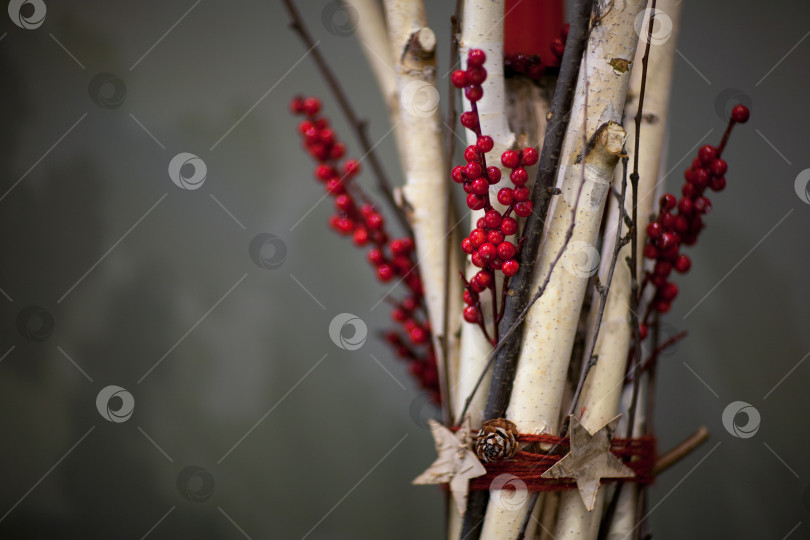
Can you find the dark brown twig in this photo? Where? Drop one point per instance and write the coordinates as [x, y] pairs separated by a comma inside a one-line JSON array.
[[358, 125], [634, 300], [520, 284]]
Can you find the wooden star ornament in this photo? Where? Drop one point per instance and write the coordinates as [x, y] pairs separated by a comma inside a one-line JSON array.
[[456, 463], [590, 460]]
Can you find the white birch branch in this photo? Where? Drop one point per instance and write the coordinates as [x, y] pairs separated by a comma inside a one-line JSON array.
[[413, 43]]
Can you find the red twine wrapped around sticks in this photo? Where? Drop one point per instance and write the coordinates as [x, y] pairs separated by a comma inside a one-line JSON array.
[[637, 453]]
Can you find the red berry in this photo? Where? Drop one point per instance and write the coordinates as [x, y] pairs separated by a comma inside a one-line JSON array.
[[467, 246], [476, 58], [493, 219], [662, 306], [642, 331], [650, 251], [480, 223], [457, 174], [510, 159], [495, 237], [385, 272], [473, 92], [718, 167], [484, 279], [338, 151], [469, 297], [718, 184], [506, 250], [475, 258], [399, 315], [707, 154], [685, 206], [519, 176], [471, 153], [485, 143], [360, 237], [326, 136], [669, 292], [510, 268], [297, 105], [740, 114], [668, 201], [478, 237], [312, 106], [662, 268], [335, 186], [683, 263], [324, 172], [471, 314], [473, 170], [688, 190], [505, 196], [667, 221], [459, 78], [487, 252], [528, 156], [701, 178], [401, 246], [375, 257], [493, 174], [703, 205], [479, 185], [654, 229], [469, 120], [418, 335], [521, 194], [343, 202], [476, 75], [524, 208], [497, 264], [509, 226], [681, 224], [375, 222], [351, 167]]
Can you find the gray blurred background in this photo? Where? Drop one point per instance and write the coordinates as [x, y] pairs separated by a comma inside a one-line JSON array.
[[248, 421]]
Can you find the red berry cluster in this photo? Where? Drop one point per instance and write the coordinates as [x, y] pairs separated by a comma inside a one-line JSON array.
[[357, 217], [531, 65], [487, 244], [680, 221]]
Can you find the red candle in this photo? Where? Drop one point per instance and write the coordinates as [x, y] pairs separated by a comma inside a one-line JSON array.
[[530, 26]]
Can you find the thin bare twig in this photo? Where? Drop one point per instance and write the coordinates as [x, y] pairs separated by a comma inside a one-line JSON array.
[[683, 449], [358, 125]]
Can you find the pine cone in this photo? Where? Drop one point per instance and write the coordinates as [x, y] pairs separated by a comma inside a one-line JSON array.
[[496, 441]]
